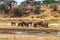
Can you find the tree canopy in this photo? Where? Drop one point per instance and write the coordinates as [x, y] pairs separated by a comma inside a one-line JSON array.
[[49, 1]]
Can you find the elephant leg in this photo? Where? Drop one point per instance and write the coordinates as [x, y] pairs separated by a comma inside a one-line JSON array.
[[11, 24], [47, 25], [18, 24], [27, 25]]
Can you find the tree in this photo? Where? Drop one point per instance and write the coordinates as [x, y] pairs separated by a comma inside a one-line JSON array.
[[49, 1], [19, 11], [9, 3], [2, 7]]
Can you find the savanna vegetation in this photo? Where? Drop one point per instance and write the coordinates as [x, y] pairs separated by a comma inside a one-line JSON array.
[[30, 9]]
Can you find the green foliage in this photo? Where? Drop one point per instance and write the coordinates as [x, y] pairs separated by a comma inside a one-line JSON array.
[[22, 9], [49, 1], [38, 7], [2, 6], [19, 11]]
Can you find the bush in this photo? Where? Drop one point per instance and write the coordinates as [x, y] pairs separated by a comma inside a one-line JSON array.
[[19, 11], [37, 9], [54, 7], [53, 20], [2, 6]]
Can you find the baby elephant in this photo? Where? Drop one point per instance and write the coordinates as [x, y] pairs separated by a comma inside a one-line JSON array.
[[13, 23]]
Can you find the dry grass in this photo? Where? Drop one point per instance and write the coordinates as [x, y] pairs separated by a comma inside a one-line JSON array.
[[28, 37], [51, 20], [19, 19]]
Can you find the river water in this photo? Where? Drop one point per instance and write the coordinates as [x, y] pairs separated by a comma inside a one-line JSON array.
[[40, 33], [30, 32]]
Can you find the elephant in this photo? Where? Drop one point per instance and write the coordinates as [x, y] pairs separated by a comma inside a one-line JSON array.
[[22, 24], [13, 23], [41, 24], [35, 25], [45, 23], [38, 24], [28, 24]]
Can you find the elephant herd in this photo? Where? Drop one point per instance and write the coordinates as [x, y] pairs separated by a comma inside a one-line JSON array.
[[35, 24]]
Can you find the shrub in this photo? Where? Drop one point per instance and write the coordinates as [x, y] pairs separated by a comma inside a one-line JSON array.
[[53, 20]]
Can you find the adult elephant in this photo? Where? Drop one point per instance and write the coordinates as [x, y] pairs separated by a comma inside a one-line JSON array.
[[35, 25], [19, 24], [45, 23], [38, 24], [28, 24], [22, 24], [41, 24]]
